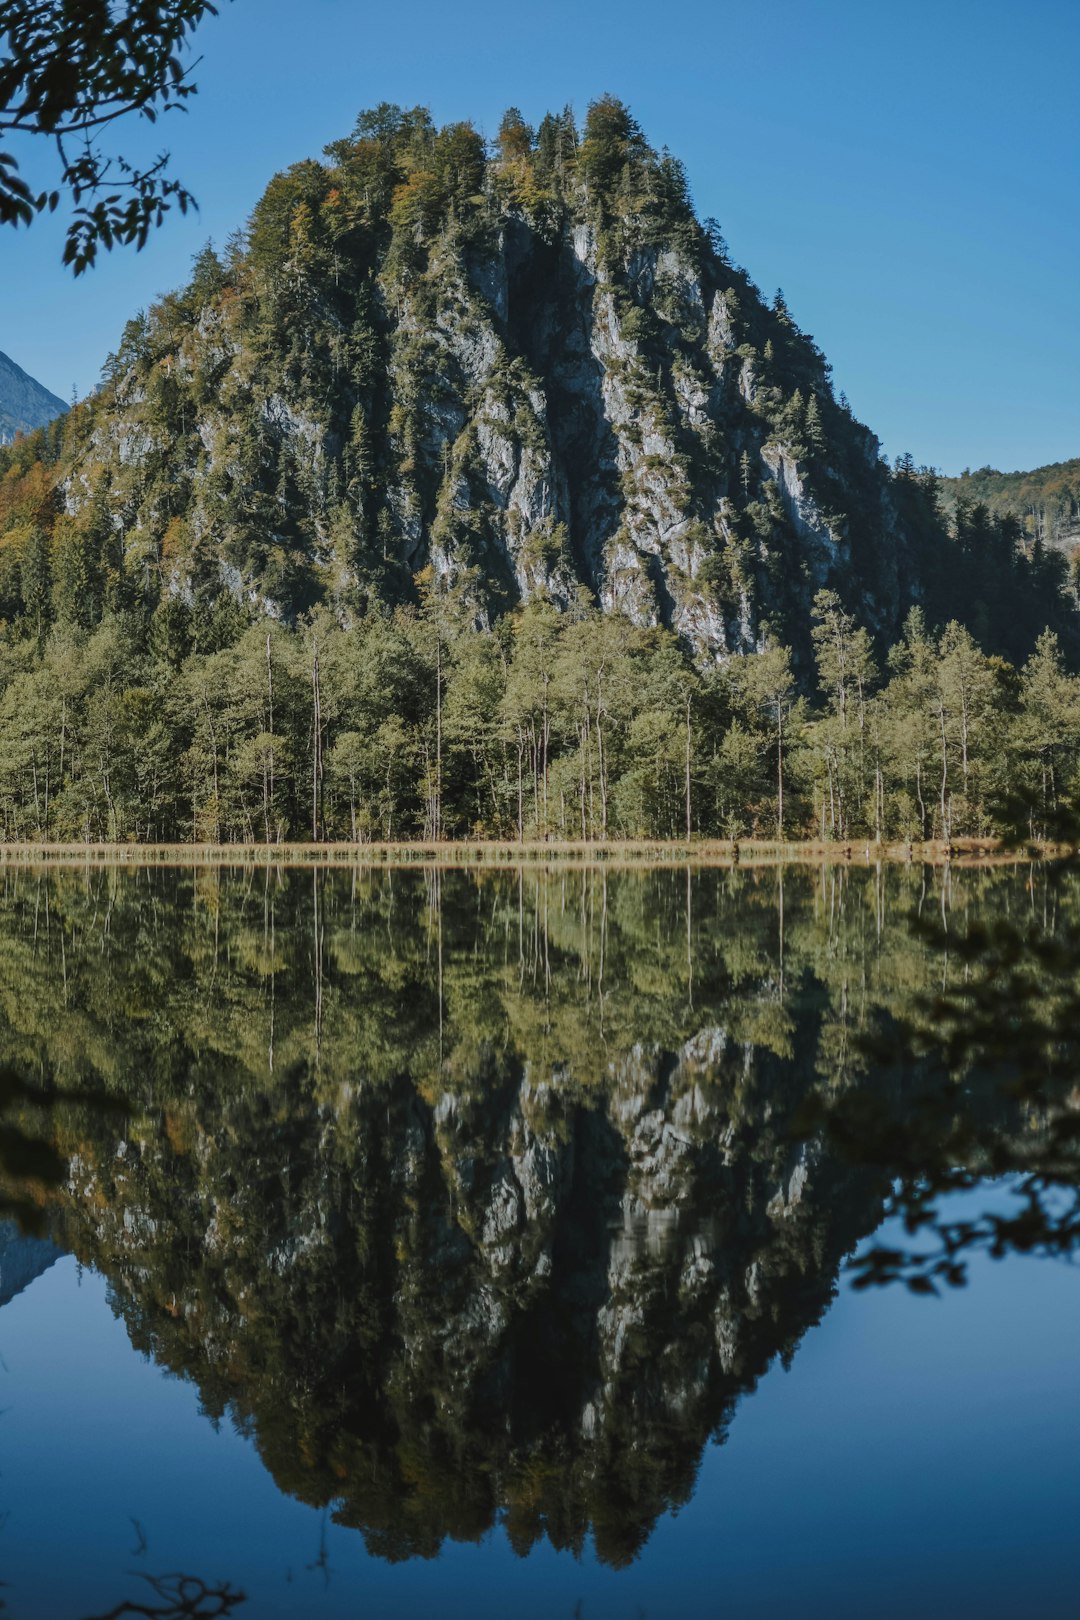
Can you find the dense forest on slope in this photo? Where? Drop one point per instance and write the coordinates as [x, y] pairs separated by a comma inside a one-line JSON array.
[[1046, 502], [444, 501], [484, 1197]]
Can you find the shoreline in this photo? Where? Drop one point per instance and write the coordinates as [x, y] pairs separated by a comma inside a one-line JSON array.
[[488, 854]]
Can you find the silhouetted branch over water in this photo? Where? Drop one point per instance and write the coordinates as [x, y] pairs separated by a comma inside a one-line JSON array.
[[178, 1597]]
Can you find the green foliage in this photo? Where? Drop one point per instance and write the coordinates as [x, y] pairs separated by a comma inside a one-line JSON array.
[[1046, 502], [556, 724]]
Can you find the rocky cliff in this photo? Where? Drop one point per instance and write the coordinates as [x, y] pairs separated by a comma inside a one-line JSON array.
[[515, 369]]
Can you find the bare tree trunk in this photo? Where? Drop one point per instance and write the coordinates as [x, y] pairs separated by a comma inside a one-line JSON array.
[[689, 819], [269, 797], [520, 785], [944, 775], [600, 757], [214, 756], [437, 817], [316, 752], [37, 806], [546, 739], [779, 772]]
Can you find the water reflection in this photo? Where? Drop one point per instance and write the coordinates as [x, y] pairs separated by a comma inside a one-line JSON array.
[[485, 1197], [22, 1259], [178, 1597]]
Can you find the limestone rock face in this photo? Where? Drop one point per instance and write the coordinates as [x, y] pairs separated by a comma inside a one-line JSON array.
[[560, 389]]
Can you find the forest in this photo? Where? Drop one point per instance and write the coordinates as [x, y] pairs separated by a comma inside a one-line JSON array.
[[551, 726], [1045, 501]]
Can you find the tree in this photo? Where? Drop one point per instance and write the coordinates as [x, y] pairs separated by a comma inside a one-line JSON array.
[[770, 688], [514, 140], [611, 139], [968, 694], [69, 70], [1047, 734], [845, 668], [906, 728]]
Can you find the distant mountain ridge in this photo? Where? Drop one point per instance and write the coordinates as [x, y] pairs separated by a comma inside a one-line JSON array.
[[25, 404], [22, 1259]]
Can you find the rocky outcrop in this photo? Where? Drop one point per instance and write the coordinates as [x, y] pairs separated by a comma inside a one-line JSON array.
[[528, 392]]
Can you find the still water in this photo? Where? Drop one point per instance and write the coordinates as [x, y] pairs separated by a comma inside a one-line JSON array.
[[480, 1244]]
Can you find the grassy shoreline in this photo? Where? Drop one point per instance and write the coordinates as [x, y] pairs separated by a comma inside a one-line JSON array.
[[488, 854]]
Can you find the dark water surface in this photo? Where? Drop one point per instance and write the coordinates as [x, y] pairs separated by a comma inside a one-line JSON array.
[[478, 1244]]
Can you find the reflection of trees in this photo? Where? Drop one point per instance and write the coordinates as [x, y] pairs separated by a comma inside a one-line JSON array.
[[29, 1163], [180, 1597], [996, 1095], [474, 1197]]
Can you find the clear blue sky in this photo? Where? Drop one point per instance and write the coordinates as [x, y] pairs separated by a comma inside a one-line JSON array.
[[906, 171]]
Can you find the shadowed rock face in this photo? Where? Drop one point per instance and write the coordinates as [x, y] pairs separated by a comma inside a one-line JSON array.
[[471, 1199]]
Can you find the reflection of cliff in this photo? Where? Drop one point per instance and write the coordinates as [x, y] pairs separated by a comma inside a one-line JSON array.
[[508, 1299], [22, 1259], [469, 1200]]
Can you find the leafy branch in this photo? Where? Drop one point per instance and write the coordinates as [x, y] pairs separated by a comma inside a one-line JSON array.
[[69, 69]]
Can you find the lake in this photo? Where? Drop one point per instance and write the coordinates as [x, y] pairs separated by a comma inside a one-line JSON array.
[[490, 1243]]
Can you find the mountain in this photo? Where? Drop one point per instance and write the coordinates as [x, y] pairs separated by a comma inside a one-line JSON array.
[[24, 403], [475, 492], [526, 368], [1045, 502], [22, 1259]]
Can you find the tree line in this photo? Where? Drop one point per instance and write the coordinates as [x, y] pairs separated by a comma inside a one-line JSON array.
[[414, 724]]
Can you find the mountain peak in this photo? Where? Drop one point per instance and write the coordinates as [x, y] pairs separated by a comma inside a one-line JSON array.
[[518, 369], [25, 404]]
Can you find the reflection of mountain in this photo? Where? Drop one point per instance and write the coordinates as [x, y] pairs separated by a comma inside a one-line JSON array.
[[22, 1259], [505, 1296], [466, 1198]]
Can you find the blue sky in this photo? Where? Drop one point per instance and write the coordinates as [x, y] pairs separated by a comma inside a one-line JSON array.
[[906, 171]]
